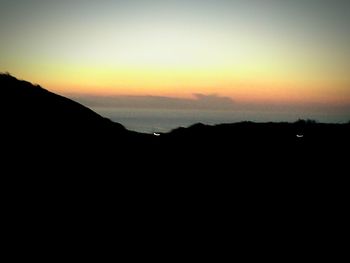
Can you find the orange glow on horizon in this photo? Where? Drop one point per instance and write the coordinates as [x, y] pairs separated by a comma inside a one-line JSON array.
[[274, 52]]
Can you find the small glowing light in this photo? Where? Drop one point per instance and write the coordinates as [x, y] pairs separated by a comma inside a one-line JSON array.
[[300, 136], [156, 134]]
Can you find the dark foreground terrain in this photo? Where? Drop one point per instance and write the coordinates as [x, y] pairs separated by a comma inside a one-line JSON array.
[[56, 153], [55, 136], [51, 129]]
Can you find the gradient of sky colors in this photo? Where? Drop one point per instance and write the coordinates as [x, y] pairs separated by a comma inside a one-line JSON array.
[[263, 51]]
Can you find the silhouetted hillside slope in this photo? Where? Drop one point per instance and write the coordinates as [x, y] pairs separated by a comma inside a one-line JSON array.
[[64, 161], [299, 134], [40, 128], [23, 103], [39, 119], [273, 148], [36, 120]]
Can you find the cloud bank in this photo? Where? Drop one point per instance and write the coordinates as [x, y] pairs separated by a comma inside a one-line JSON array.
[[199, 101]]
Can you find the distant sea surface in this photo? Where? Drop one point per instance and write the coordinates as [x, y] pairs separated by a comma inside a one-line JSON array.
[[154, 120]]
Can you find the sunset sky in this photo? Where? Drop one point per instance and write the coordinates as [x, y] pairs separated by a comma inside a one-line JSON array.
[[254, 51]]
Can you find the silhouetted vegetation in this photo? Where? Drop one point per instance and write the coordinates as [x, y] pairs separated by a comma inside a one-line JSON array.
[[60, 156], [306, 122], [47, 134], [36, 116]]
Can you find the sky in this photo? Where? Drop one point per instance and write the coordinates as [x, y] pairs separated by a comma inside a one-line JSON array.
[[263, 52]]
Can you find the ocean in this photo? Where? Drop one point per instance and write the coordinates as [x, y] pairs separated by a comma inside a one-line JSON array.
[[165, 120]]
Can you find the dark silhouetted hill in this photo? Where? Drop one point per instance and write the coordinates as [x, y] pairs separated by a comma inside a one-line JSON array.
[[30, 106], [66, 167], [36, 120]]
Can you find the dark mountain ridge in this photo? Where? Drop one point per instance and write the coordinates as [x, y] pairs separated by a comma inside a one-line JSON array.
[[26, 103], [65, 163], [48, 133], [36, 121], [33, 115]]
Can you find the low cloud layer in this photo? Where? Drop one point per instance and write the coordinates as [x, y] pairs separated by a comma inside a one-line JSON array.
[[293, 111], [199, 101]]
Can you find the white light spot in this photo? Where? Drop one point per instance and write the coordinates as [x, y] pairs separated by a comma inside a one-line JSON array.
[[156, 134], [300, 136]]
